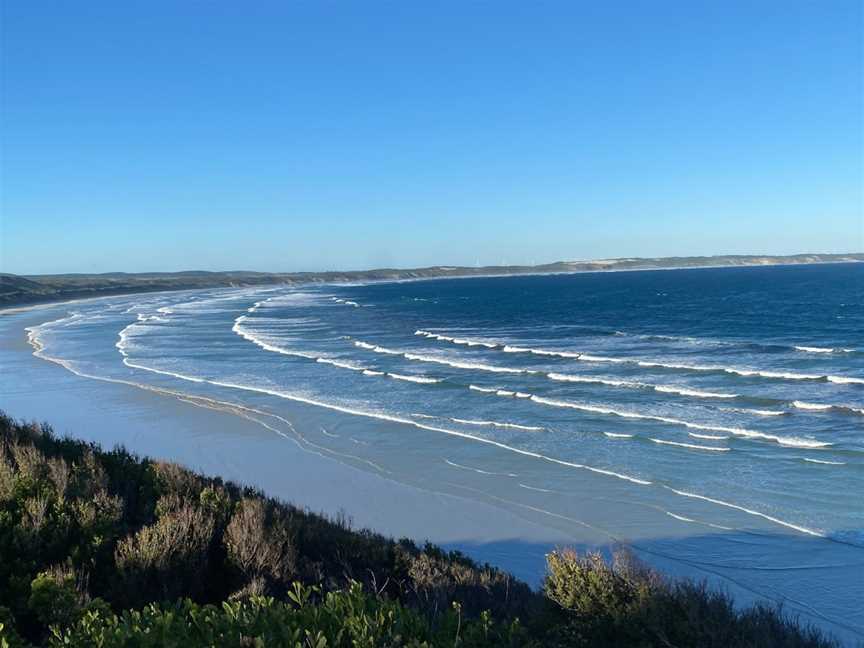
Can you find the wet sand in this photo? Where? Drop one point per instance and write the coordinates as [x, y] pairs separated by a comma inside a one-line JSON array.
[[218, 442], [221, 443]]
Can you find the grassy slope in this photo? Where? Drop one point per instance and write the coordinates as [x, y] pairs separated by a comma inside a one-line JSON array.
[[90, 539]]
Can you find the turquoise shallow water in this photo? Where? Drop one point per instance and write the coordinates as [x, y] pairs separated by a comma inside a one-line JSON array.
[[710, 419]]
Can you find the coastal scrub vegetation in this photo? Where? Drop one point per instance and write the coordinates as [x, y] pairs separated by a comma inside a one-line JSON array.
[[103, 548]]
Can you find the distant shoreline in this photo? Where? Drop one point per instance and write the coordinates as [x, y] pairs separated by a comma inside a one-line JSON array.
[[19, 293]]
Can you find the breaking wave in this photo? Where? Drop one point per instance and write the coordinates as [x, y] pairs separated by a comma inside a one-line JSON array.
[[689, 446], [655, 364]]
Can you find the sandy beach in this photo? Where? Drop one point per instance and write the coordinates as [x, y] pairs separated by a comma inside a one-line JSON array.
[[280, 450], [218, 442]]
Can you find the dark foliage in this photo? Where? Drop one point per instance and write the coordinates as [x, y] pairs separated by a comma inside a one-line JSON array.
[[105, 548]]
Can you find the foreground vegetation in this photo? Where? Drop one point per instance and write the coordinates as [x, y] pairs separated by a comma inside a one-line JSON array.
[[105, 549]]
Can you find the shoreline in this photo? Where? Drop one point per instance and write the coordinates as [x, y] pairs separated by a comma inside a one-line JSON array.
[[206, 439], [25, 306], [217, 439]]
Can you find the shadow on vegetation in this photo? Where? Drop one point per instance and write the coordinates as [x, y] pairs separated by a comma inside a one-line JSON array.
[[90, 539]]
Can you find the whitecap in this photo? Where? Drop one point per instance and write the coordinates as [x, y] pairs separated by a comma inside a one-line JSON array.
[[692, 392], [415, 379], [824, 461], [811, 406], [690, 446], [747, 510], [516, 426], [341, 365], [678, 517], [759, 412], [742, 432]]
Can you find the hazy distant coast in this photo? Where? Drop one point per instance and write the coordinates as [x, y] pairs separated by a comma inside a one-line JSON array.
[[18, 290]]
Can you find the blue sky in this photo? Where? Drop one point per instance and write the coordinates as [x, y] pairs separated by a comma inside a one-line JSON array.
[[311, 135]]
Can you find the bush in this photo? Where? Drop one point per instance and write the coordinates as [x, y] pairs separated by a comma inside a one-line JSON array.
[[167, 559], [349, 618], [89, 540], [259, 542]]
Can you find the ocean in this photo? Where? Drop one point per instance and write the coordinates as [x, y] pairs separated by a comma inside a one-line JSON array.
[[709, 420]]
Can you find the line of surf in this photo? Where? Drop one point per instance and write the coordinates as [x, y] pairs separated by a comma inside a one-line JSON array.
[[770, 518], [479, 470], [671, 389], [431, 335], [33, 339], [515, 426], [667, 389], [689, 446], [382, 416], [587, 357], [246, 334], [827, 407]]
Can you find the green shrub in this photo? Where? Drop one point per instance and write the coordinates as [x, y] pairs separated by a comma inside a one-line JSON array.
[[208, 552], [349, 618], [259, 541]]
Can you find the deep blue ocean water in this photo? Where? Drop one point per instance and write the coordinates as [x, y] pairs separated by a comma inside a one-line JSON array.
[[710, 419]]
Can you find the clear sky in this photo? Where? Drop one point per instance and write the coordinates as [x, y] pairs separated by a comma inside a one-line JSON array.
[[167, 135]]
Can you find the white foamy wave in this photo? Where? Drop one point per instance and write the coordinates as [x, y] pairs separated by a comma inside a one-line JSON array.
[[758, 412], [337, 363], [692, 392], [415, 379], [370, 372], [712, 437], [534, 488], [615, 435], [846, 380], [679, 517], [151, 318], [591, 380], [463, 341], [748, 511], [458, 364], [265, 343], [375, 348], [436, 360], [479, 470], [39, 347], [777, 375], [515, 426], [346, 302], [825, 407], [669, 389], [825, 462], [812, 349], [811, 406], [689, 446], [485, 390], [742, 432], [591, 358], [398, 419]]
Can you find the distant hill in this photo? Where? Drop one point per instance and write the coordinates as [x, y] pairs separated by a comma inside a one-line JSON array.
[[18, 290]]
